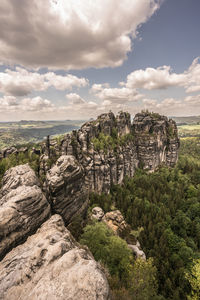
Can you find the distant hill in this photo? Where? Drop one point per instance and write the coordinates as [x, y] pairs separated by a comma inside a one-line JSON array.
[[186, 120], [25, 131]]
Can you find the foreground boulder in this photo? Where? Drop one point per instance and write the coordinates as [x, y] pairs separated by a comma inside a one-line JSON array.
[[65, 187], [23, 207], [51, 265]]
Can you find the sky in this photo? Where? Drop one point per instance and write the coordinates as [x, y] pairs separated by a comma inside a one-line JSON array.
[[76, 59]]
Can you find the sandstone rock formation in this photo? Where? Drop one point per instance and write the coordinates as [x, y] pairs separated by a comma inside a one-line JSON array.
[[12, 150], [51, 265], [65, 187], [151, 140], [115, 221], [97, 213], [157, 140], [139, 253], [23, 206]]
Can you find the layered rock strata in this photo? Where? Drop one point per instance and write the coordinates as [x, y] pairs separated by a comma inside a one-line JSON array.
[[149, 141], [156, 139], [51, 265], [23, 206], [65, 187]]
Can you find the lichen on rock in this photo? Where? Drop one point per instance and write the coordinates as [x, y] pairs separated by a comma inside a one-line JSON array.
[[23, 206], [51, 265]]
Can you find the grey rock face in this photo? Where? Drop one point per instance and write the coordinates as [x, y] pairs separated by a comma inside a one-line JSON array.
[[65, 187], [23, 206], [156, 139], [115, 221], [12, 150], [138, 252], [97, 213], [51, 265], [152, 140]]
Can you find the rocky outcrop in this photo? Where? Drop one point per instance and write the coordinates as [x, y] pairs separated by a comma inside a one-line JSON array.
[[97, 213], [115, 221], [23, 207], [51, 265], [137, 251], [12, 150], [149, 141], [65, 187], [156, 139]]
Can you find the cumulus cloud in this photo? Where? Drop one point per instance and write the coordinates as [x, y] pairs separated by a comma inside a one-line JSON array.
[[79, 105], [163, 78], [150, 78], [75, 99], [190, 105], [115, 95], [9, 104], [36, 104], [193, 77], [68, 34], [193, 100], [21, 82], [65, 82]]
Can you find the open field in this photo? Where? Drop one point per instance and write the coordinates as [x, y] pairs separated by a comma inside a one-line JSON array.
[[191, 130]]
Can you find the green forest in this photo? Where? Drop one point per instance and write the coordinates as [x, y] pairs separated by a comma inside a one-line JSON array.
[[166, 205]]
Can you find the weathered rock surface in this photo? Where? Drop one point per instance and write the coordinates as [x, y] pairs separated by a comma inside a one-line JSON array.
[[51, 265], [65, 187], [23, 206], [115, 221], [157, 140], [151, 140], [12, 150], [97, 213], [139, 253]]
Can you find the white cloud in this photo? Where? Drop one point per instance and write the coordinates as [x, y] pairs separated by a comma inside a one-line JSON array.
[[150, 78], [190, 105], [65, 82], [8, 103], [21, 82], [115, 95], [36, 104], [75, 99], [68, 34], [79, 105], [193, 77], [193, 100], [163, 78]]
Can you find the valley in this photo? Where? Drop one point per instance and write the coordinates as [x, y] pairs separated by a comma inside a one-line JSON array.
[[23, 132]]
